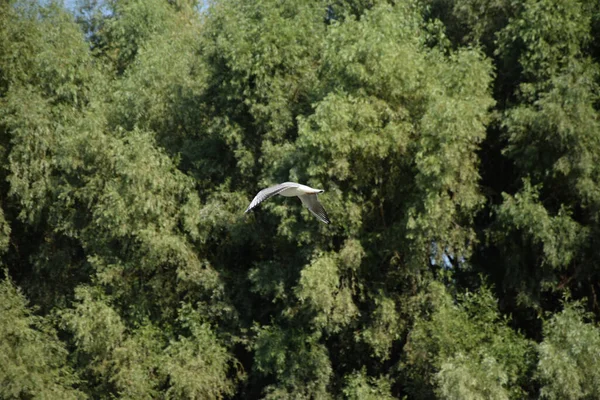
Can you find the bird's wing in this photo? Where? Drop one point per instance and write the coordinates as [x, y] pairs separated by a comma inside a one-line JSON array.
[[269, 192], [311, 202]]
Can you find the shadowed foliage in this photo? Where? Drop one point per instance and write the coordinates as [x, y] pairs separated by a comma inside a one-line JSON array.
[[458, 145]]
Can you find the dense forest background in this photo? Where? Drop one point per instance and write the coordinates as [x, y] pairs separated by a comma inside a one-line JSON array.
[[458, 143]]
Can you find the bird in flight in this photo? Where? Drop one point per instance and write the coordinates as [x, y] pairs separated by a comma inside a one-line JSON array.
[[307, 195]]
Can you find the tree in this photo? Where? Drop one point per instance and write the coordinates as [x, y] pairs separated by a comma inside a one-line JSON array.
[[96, 204], [466, 350], [568, 360], [34, 360], [457, 144]]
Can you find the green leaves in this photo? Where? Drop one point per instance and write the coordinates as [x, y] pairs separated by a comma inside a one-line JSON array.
[[384, 328], [550, 33], [467, 350], [568, 360], [360, 386], [141, 361], [34, 360], [132, 23], [300, 364], [462, 378], [197, 364], [4, 233], [327, 293], [559, 236], [457, 143], [43, 48]]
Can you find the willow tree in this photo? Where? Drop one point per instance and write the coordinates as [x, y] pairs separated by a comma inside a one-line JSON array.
[[385, 117], [103, 224], [457, 145]]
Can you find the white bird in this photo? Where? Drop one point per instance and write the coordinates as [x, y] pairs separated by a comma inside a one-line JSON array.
[[307, 195]]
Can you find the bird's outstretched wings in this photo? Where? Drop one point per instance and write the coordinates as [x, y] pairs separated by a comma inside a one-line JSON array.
[[311, 202], [268, 193]]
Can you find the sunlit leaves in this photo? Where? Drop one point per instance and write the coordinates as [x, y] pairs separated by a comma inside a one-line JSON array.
[[4, 232], [348, 134], [359, 386], [551, 34], [132, 22], [569, 361], [560, 237], [197, 364], [384, 327], [460, 377], [299, 363], [551, 137], [556, 139], [34, 361], [44, 48], [467, 349], [136, 363], [327, 293], [131, 144]]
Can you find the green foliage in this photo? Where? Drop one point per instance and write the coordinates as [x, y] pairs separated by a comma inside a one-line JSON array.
[[551, 135], [555, 139], [298, 361], [131, 24], [116, 360], [328, 294], [481, 17], [466, 349], [568, 356], [4, 233], [136, 362], [359, 386], [549, 35], [387, 124], [384, 329], [196, 364], [42, 48], [460, 377], [457, 142], [559, 237], [34, 361]]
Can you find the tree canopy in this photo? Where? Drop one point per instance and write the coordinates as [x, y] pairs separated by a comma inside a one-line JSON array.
[[458, 144]]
